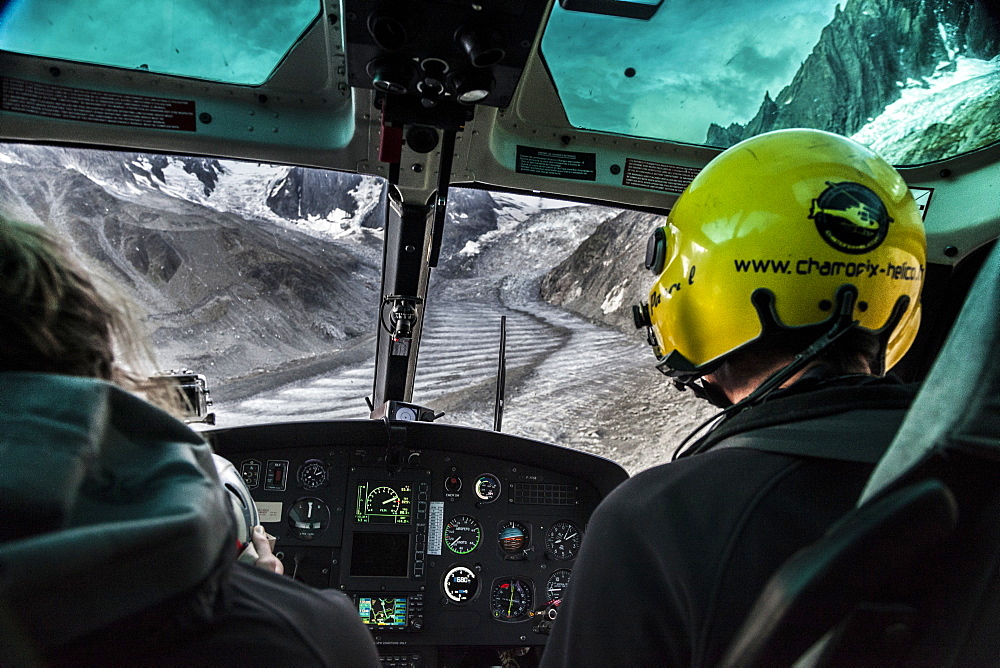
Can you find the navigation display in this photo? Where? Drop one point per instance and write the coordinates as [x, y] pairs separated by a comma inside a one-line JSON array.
[[380, 611], [384, 503]]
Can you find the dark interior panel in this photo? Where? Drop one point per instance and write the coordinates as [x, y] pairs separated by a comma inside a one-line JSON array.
[[442, 535]]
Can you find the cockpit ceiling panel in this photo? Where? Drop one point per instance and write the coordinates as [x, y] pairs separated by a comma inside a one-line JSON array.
[[231, 41], [917, 89]]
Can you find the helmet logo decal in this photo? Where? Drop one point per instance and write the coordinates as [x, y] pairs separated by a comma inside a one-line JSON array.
[[850, 217]]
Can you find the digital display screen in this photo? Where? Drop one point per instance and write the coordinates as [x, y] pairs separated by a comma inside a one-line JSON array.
[[384, 503], [385, 555], [382, 611]]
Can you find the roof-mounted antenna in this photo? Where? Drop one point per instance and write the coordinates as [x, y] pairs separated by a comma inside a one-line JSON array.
[[501, 376]]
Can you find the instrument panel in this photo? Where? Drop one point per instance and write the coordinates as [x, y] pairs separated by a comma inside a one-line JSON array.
[[443, 536]]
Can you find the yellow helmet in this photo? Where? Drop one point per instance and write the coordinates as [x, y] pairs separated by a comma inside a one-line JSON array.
[[774, 232]]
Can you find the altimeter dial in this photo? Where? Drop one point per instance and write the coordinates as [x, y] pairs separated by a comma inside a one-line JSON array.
[[461, 584], [562, 541]]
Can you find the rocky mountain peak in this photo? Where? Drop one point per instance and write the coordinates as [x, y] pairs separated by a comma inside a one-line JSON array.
[[867, 54]]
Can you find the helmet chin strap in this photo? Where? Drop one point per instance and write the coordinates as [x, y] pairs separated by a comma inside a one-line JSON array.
[[706, 390]]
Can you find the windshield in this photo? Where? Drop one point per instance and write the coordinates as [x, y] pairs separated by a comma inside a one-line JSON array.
[[916, 86], [266, 278], [231, 40]]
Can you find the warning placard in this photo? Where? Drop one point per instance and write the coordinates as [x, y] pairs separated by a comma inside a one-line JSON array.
[[561, 164], [657, 175], [94, 106]]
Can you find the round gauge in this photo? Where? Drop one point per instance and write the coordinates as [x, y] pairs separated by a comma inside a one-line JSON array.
[[406, 413], [513, 537], [511, 599], [382, 501], [556, 584], [462, 534], [461, 584], [453, 484], [488, 488], [313, 474], [562, 540], [308, 518]]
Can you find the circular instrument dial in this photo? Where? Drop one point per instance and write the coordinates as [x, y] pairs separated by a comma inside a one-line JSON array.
[[382, 501], [308, 518], [462, 534], [487, 488], [562, 540], [461, 584], [511, 599], [313, 474], [406, 413], [557, 584], [512, 537]]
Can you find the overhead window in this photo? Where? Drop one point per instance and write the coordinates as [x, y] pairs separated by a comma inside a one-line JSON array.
[[234, 41], [915, 86]]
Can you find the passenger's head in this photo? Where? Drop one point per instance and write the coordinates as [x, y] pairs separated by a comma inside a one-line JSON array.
[[779, 239], [53, 319]]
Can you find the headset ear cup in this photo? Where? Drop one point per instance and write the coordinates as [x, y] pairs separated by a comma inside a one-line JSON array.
[[656, 251]]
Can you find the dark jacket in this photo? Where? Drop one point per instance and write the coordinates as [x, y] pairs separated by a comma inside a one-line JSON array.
[[674, 558], [118, 546]]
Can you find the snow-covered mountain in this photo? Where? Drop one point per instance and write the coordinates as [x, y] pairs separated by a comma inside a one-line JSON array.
[[244, 267], [916, 79]]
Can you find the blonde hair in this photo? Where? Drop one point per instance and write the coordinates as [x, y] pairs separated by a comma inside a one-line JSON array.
[[53, 319]]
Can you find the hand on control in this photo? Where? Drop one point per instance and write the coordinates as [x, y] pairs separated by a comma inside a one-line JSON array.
[[264, 546]]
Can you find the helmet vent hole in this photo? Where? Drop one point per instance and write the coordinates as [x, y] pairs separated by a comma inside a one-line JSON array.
[[862, 306], [825, 305]]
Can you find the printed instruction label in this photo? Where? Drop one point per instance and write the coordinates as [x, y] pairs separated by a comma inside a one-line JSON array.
[[269, 511], [561, 164], [657, 175], [94, 106], [435, 527]]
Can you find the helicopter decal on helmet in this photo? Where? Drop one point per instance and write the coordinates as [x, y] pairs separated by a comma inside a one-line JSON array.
[[850, 217]]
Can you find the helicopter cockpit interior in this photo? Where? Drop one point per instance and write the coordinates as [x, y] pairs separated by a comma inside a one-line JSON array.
[[384, 124]]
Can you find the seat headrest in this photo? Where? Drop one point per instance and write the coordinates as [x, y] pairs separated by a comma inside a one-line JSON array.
[[957, 405]]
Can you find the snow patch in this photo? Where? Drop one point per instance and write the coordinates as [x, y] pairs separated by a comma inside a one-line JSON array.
[[921, 104], [470, 248], [613, 300]]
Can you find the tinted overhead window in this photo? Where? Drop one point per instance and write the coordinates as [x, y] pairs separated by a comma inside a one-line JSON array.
[[224, 40], [916, 83]]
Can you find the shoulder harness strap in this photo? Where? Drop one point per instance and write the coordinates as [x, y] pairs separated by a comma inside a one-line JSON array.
[[840, 438]]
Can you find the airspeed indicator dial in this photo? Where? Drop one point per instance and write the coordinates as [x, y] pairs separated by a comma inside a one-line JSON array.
[[462, 534]]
